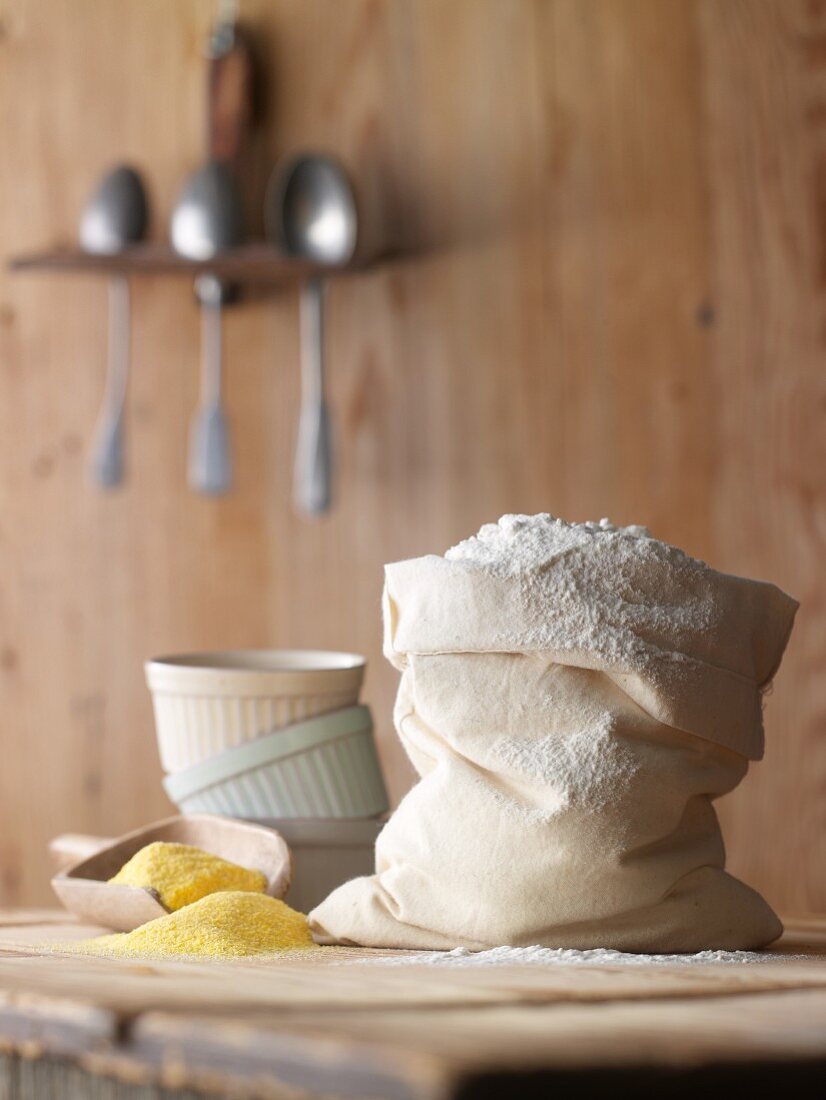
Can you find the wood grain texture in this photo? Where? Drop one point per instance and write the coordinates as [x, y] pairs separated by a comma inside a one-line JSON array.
[[328, 1024], [609, 302]]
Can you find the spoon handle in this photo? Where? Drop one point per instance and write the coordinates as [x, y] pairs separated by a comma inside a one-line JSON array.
[[107, 448], [211, 361], [69, 848], [210, 459], [312, 486]]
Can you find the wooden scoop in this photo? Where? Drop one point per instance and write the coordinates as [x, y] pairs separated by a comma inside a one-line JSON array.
[[84, 889]]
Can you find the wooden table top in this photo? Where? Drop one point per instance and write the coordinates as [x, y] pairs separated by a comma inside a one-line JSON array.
[[340, 1022]]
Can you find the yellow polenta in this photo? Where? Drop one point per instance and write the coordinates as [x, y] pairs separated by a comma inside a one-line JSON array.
[[223, 925], [182, 875]]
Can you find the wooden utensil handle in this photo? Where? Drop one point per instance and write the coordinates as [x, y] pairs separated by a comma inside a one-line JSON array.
[[229, 95], [69, 848]]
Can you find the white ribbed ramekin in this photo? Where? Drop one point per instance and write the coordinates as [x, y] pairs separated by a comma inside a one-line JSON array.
[[325, 767], [206, 703]]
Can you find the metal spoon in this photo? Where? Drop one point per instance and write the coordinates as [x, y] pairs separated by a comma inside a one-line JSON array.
[[207, 219], [311, 213], [115, 217]]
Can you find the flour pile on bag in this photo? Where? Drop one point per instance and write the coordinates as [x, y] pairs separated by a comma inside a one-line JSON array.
[[573, 697]]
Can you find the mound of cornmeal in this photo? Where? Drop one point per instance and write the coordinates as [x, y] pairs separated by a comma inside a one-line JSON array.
[[218, 909], [229, 924], [181, 874]]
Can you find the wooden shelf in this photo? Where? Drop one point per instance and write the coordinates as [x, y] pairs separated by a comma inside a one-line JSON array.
[[251, 263]]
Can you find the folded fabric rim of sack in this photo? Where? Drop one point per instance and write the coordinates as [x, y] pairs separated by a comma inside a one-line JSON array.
[[435, 606]]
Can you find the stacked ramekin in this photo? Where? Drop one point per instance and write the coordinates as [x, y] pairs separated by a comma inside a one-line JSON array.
[[266, 734]]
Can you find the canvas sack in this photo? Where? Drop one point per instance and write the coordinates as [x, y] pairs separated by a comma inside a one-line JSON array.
[[571, 726]]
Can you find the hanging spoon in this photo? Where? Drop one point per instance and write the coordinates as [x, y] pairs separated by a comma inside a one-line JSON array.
[[114, 218], [208, 219], [311, 213]]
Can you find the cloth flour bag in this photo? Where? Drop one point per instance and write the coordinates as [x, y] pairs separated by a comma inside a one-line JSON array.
[[574, 697]]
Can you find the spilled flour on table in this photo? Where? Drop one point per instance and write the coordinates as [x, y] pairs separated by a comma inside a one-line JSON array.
[[565, 956]]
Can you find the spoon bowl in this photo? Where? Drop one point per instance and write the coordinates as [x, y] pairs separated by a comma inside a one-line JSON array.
[[208, 217], [311, 210], [117, 213]]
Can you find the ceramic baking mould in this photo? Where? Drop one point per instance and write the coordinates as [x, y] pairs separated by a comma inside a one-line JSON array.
[[325, 767], [207, 703]]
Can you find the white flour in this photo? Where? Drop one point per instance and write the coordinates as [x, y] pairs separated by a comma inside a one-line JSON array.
[[517, 544], [610, 604], [586, 767], [563, 956]]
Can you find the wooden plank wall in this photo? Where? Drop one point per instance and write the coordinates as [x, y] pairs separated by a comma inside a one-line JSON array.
[[611, 301]]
